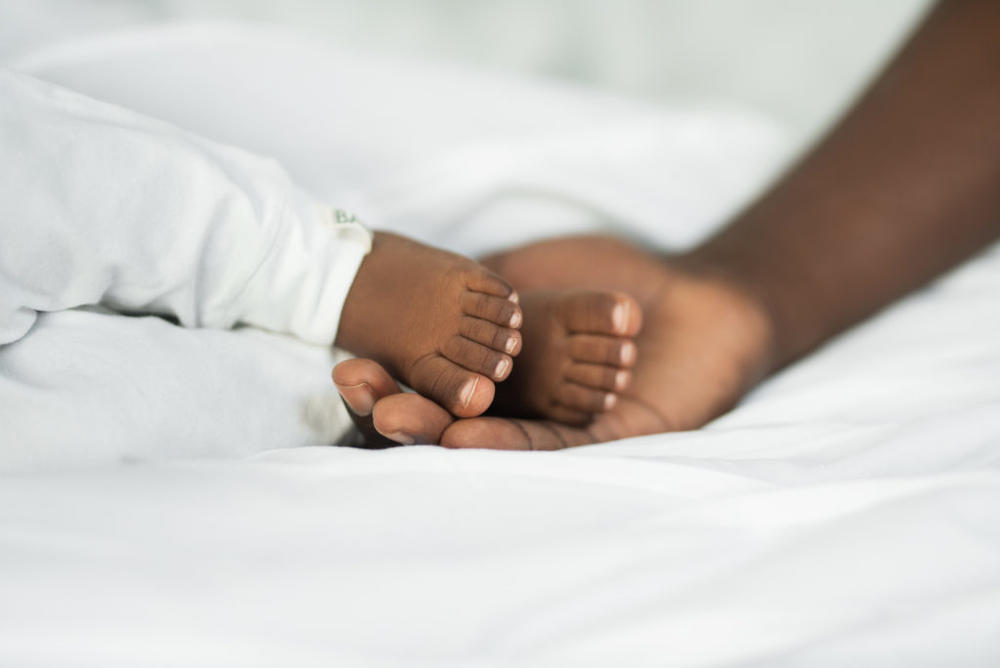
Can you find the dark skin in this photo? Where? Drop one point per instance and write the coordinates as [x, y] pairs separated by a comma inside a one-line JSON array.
[[904, 188], [449, 327]]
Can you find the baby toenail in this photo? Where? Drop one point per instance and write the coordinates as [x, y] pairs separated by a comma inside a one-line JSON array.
[[468, 390], [515, 319], [514, 297], [609, 401], [621, 379], [510, 346], [618, 317], [501, 369], [628, 353]]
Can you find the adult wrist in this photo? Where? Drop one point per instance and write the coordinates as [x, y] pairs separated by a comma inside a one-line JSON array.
[[750, 293]]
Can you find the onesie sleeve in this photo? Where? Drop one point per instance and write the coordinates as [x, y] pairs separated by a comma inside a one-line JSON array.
[[100, 205]]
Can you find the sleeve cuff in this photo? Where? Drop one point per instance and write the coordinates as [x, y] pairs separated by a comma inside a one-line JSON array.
[[301, 286]]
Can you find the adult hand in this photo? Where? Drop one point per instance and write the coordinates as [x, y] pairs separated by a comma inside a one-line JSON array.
[[704, 342]]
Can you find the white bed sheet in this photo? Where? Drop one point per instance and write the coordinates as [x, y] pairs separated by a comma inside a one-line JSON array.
[[847, 512]]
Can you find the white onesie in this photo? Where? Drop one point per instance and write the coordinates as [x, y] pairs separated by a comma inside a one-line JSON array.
[[100, 205], [104, 211]]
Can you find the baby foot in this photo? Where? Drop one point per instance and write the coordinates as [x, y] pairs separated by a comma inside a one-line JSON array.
[[441, 323], [576, 357], [704, 342]]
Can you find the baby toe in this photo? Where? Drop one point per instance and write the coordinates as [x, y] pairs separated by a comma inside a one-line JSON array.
[[502, 339], [497, 310], [594, 349], [601, 312], [598, 376], [487, 282], [585, 399], [461, 392], [477, 357]]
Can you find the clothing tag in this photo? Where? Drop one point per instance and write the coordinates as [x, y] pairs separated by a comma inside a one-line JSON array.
[[342, 217], [349, 226]]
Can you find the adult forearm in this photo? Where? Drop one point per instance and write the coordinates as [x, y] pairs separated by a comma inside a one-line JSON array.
[[905, 187]]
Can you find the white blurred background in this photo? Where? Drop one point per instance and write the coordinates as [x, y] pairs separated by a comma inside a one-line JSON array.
[[798, 61]]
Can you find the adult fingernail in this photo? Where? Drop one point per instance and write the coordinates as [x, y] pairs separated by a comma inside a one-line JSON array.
[[468, 391], [402, 438], [360, 398]]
